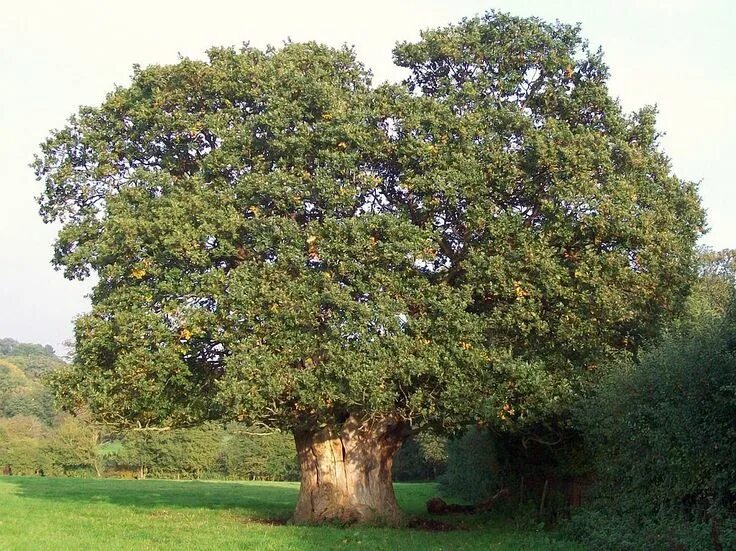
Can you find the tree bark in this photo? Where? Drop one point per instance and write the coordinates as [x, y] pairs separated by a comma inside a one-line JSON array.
[[346, 472]]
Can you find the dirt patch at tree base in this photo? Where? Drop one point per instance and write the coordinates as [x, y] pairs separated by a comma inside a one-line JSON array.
[[432, 525]]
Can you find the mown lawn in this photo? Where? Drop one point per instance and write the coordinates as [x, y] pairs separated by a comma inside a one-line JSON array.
[[64, 513]]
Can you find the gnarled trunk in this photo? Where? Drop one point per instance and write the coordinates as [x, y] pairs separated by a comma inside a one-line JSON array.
[[346, 472]]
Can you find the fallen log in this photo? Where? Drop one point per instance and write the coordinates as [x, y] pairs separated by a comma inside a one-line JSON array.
[[438, 506]]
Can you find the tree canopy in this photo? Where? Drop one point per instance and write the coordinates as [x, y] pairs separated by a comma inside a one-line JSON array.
[[269, 228], [278, 241]]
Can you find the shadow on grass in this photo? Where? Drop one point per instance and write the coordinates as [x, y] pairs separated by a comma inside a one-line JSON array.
[[260, 500], [267, 503], [165, 514]]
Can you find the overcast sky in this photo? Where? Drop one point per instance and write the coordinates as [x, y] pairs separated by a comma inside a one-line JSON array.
[[57, 55]]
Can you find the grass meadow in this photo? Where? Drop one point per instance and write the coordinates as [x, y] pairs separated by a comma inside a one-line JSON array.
[[66, 513]]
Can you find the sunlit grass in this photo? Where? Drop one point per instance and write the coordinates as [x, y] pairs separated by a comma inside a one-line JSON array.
[[63, 513]]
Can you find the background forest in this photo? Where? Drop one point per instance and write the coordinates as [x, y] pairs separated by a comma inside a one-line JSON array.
[[36, 437]]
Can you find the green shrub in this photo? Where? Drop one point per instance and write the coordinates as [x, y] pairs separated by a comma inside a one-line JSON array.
[[664, 438], [72, 447], [21, 440], [187, 453], [473, 471]]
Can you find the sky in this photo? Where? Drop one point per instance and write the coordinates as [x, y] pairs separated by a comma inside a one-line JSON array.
[[56, 56]]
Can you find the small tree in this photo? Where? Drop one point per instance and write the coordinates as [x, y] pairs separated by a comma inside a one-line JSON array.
[[74, 445], [21, 440], [278, 242]]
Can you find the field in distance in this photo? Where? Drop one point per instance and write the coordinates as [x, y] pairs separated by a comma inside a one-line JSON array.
[[67, 513]]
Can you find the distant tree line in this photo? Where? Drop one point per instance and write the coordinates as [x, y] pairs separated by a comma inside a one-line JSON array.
[[72, 446], [36, 438]]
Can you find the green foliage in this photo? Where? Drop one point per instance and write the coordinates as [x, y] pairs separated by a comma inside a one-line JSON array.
[[560, 198], [21, 440], [279, 242], [655, 433], [34, 435], [665, 442], [714, 291], [20, 393], [11, 347], [73, 447], [472, 467], [249, 455], [422, 457], [35, 366], [185, 452], [11, 377]]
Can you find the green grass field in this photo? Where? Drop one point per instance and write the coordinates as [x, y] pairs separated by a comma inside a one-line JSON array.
[[65, 513]]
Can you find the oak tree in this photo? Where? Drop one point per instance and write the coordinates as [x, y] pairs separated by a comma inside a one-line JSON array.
[[279, 242]]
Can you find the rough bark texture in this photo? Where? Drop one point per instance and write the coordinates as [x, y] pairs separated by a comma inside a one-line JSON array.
[[346, 472]]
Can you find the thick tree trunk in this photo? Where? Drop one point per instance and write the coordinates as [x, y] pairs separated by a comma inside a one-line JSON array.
[[346, 472]]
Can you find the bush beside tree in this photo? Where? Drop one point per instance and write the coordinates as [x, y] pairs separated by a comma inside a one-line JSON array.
[[663, 433]]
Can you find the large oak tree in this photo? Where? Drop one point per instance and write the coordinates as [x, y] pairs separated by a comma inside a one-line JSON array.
[[279, 242]]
